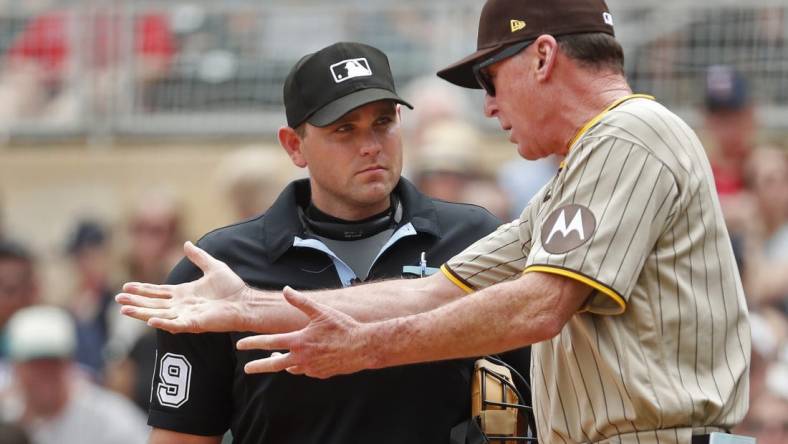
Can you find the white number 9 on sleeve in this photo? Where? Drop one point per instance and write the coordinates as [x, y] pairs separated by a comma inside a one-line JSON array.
[[175, 372]]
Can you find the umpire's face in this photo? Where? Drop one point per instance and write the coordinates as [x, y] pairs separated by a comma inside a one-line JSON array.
[[354, 163]]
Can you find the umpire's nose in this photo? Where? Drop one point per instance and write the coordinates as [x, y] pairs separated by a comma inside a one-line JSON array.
[[370, 143]]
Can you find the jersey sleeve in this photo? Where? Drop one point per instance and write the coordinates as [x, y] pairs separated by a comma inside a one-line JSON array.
[[495, 258], [191, 387], [603, 222]]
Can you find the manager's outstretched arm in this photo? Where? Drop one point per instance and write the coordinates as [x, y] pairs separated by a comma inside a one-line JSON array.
[[220, 301], [502, 317]]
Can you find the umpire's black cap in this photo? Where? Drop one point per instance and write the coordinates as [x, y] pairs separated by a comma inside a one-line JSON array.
[[326, 85]]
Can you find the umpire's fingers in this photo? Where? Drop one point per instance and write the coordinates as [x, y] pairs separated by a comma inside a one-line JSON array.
[[281, 341], [148, 290], [143, 314], [173, 325], [270, 364], [141, 301]]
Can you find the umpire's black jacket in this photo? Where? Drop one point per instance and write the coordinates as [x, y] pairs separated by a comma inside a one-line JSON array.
[[199, 386]]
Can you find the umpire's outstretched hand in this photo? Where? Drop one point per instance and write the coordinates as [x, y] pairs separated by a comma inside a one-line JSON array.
[[214, 303], [332, 343]]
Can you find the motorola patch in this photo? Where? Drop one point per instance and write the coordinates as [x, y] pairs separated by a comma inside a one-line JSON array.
[[349, 69], [567, 228]]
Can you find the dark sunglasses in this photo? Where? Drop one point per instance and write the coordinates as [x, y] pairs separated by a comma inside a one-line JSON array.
[[480, 69]]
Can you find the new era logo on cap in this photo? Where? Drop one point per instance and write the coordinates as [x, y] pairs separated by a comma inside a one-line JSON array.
[[516, 25], [349, 69], [505, 22]]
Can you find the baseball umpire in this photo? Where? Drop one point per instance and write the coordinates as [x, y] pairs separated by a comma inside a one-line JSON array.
[[353, 220], [619, 272]]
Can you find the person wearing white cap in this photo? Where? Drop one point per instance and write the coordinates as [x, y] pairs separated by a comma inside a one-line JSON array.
[[49, 398]]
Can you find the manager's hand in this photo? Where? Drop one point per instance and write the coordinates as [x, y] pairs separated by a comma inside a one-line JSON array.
[[332, 343], [214, 303]]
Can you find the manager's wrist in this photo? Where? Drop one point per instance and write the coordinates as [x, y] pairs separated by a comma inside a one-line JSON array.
[[247, 308], [374, 339]]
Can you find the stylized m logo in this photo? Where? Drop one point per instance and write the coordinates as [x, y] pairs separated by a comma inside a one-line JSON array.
[[560, 237], [560, 226]]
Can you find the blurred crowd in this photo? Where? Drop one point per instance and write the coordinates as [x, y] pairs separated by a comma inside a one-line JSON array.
[[63, 61], [752, 182], [77, 372], [57, 49]]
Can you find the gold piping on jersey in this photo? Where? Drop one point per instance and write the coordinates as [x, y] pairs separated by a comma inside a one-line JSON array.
[[586, 280], [456, 280], [599, 117]]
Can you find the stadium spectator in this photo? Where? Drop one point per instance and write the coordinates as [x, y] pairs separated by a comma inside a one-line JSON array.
[[18, 285], [2, 217], [438, 102], [766, 260], [521, 179], [730, 126], [12, 434], [447, 159], [247, 178], [49, 398], [448, 167], [768, 419], [155, 237], [487, 194], [131, 374], [90, 302]]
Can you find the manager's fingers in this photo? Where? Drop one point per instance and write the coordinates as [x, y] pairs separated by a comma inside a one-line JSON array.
[[295, 370], [309, 306], [270, 364], [280, 341]]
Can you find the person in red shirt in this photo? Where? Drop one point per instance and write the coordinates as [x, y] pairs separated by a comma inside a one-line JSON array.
[[730, 128], [730, 124]]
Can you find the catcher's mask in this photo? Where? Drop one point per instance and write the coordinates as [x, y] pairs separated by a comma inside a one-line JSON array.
[[498, 412]]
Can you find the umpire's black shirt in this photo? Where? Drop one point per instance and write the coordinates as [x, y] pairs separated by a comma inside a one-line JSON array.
[[199, 386]]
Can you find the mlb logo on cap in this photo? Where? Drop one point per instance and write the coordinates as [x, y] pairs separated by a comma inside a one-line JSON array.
[[348, 69], [311, 95]]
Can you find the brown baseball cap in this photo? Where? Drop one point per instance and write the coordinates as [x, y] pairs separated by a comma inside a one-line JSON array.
[[504, 22]]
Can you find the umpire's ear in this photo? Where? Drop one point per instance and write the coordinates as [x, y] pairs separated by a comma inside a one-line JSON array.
[[292, 143]]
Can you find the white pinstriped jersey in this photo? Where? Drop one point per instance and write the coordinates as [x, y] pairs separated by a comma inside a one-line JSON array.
[[661, 349]]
